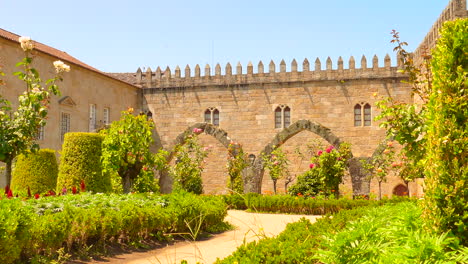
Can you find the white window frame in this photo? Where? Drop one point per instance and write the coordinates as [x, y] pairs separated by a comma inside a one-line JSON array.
[[92, 117], [106, 115]]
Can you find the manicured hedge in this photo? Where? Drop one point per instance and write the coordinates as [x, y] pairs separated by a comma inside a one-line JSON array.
[[33, 229], [288, 204], [38, 171], [81, 161]]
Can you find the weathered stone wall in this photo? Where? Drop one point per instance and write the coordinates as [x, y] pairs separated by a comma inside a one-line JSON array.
[[247, 102]]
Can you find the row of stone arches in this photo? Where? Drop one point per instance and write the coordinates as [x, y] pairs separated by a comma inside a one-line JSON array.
[[253, 175]]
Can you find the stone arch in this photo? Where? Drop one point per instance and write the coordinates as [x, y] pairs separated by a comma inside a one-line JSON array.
[[219, 134], [300, 126], [209, 129], [281, 137]]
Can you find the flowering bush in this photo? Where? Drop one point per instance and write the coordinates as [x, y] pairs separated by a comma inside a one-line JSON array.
[[326, 172], [126, 156], [189, 164], [18, 129], [277, 165]]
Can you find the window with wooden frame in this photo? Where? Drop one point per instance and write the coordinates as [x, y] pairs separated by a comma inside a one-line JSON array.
[[362, 114], [212, 116], [282, 116]]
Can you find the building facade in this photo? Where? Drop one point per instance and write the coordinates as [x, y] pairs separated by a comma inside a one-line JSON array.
[[258, 107]]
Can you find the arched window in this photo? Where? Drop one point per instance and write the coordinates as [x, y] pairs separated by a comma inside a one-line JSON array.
[[282, 116], [212, 116], [362, 114]]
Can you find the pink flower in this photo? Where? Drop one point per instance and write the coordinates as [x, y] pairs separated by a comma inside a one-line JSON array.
[[36, 196], [339, 158], [329, 149], [197, 130], [74, 191], [319, 153], [275, 163], [312, 165], [9, 193], [390, 143]]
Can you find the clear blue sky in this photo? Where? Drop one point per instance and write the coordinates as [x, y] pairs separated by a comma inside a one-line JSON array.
[[120, 36]]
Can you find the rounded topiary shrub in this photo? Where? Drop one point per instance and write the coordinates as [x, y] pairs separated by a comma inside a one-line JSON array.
[[37, 170], [81, 161]]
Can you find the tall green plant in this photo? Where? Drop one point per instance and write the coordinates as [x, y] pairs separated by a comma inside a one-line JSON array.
[[18, 127], [379, 166], [236, 163], [277, 165], [189, 165], [126, 156], [446, 193]]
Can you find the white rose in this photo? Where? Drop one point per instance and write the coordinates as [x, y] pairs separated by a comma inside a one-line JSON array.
[[61, 67], [26, 43], [36, 90]]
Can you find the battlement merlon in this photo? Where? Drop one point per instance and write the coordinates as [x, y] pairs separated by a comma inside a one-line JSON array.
[[455, 9], [165, 79]]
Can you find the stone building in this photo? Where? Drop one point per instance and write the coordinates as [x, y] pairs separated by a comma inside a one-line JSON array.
[[89, 98], [258, 107]]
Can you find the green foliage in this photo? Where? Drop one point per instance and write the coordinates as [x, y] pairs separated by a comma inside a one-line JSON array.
[[15, 223], [386, 234], [189, 165], [236, 163], [277, 165], [298, 243], [18, 128], [325, 175], [80, 161], [307, 205], [446, 193], [126, 156], [38, 171], [380, 165], [72, 223], [390, 234]]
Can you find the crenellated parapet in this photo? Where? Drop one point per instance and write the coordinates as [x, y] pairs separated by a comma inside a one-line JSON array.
[[331, 71], [455, 9]]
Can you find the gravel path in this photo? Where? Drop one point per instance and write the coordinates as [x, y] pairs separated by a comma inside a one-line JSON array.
[[249, 227]]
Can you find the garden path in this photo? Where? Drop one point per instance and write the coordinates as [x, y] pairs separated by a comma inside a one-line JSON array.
[[249, 227]]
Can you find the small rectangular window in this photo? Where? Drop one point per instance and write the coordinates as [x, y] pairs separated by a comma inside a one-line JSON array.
[[367, 115], [216, 117], [106, 117], [64, 125], [287, 117], [92, 117], [278, 118]]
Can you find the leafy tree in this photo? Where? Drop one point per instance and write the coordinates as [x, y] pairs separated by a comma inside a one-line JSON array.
[[189, 164], [18, 127], [277, 165], [126, 155], [236, 163], [446, 163], [379, 166]]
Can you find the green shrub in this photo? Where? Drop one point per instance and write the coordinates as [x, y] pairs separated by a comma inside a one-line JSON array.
[[308, 205], [38, 171], [390, 234], [15, 223], [35, 229], [446, 193], [296, 244], [81, 161]]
